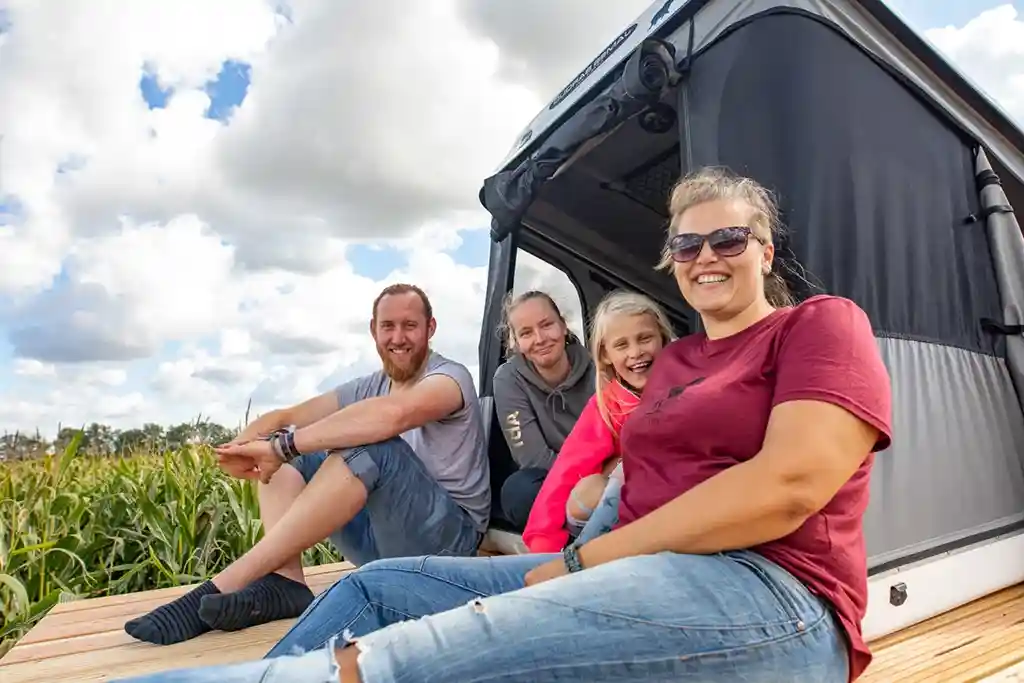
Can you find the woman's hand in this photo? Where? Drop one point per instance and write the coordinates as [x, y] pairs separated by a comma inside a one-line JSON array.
[[249, 460], [546, 571]]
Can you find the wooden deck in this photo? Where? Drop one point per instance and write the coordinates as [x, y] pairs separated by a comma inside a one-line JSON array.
[[981, 641], [85, 641]]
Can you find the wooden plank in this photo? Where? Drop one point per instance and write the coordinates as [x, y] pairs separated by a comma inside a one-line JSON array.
[[1015, 674], [90, 603], [139, 658], [966, 644], [148, 602], [88, 643], [100, 615]]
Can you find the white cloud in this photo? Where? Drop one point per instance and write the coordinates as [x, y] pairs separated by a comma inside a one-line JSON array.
[[989, 49], [532, 35], [397, 127], [70, 83], [131, 291], [158, 264], [30, 367]]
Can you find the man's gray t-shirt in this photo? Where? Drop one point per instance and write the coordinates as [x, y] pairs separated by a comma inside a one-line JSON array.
[[452, 449]]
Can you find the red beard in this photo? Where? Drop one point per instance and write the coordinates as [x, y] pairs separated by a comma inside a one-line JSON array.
[[401, 374]]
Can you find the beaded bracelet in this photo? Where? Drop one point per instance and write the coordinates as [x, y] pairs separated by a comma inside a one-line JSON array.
[[289, 446]]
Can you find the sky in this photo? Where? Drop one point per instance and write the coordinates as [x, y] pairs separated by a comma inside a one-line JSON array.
[[199, 200]]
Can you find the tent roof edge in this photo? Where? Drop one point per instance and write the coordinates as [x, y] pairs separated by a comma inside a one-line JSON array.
[[667, 19]]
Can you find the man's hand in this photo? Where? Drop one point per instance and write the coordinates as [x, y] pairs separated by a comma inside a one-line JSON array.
[[250, 460], [250, 433], [546, 571]]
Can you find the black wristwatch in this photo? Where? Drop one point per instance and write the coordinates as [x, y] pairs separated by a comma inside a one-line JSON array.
[[571, 556]]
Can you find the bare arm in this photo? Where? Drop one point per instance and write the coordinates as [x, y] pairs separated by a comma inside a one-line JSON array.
[[300, 415], [380, 418], [810, 450]]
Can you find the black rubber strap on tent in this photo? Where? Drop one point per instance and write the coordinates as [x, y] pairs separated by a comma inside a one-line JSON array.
[[995, 327], [996, 208], [683, 108], [982, 180], [983, 214], [987, 177], [683, 67]]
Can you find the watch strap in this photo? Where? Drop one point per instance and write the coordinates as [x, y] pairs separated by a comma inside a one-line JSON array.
[[571, 557]]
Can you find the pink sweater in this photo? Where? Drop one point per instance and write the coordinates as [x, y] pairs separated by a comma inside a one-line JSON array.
[[589, 445]]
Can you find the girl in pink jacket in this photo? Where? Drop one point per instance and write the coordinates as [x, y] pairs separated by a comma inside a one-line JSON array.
[[629, 330]]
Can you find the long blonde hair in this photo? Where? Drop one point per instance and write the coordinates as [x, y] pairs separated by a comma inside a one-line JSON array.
[[619, 302], [713, 184]]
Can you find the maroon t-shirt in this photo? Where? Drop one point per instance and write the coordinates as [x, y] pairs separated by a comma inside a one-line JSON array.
[[705, 408]]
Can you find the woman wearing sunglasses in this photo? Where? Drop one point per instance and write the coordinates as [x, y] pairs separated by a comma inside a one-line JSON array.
[[739, 553]]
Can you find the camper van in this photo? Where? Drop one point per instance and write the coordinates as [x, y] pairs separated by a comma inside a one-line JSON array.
[[897, 179]]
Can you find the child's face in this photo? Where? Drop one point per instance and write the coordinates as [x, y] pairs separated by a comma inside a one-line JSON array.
[[631, 344]]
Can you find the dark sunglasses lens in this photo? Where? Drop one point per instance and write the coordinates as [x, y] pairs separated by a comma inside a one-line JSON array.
[[686, 247], [728, 241]]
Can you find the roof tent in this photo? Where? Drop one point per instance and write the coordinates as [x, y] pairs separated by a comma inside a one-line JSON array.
[[896, 178]]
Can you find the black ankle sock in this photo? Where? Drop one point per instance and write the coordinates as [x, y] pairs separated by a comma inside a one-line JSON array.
[[174, 622], [267, 599]]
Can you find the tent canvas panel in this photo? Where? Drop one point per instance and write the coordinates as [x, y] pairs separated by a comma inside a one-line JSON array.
[[878, 191]]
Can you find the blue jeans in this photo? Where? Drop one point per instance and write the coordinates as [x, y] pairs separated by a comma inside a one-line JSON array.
[[666, 617], [518, 493], [407, 512], [606, 515]]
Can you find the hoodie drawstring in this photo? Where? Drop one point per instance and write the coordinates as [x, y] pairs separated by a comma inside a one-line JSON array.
[[561, 397]]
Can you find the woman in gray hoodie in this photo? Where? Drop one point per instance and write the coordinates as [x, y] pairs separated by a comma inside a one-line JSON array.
[[539, 394]]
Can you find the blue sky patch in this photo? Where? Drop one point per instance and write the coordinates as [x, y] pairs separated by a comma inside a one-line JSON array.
[[375, 262], [228, 90], [154, 96], [11, 209], [6, 366], [475, 248]]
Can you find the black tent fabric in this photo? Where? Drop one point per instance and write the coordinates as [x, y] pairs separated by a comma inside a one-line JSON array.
[[642, 81], [876, 186]]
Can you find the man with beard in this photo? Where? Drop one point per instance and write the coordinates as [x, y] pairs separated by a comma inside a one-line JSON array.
[[391, 464]]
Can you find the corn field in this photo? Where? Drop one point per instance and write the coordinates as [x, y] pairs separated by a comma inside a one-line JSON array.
[[73, 526]]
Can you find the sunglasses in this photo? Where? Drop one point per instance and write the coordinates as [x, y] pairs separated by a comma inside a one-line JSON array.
[[723, 241]]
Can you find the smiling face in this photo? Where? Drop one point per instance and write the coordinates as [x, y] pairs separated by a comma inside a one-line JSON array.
[[539, 332], [631, 343], [402, 333], [723, 287]]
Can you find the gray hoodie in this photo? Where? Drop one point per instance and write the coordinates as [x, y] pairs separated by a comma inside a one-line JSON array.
[[535, 417]]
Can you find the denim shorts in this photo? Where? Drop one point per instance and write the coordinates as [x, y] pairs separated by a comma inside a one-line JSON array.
[[407, 512]]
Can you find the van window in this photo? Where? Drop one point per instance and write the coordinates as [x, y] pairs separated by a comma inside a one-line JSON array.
[[534, 273]]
